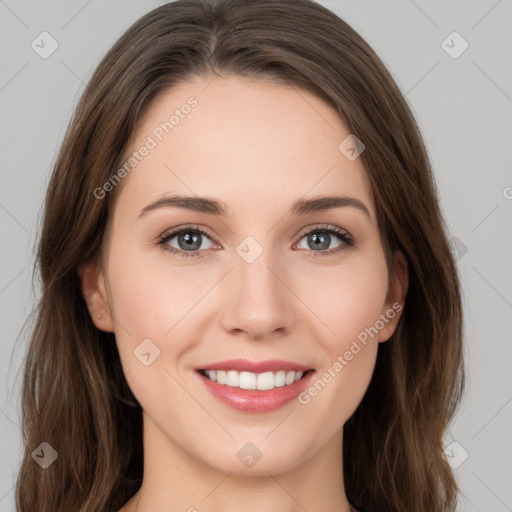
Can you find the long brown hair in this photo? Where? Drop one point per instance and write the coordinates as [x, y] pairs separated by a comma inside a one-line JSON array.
[[75, 396]]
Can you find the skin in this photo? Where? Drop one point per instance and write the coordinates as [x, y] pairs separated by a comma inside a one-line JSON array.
[[257, 146]]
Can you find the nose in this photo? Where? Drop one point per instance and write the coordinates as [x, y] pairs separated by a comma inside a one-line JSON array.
[[259, 304]]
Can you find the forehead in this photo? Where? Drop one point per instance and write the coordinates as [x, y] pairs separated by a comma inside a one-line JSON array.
[[253, 144]]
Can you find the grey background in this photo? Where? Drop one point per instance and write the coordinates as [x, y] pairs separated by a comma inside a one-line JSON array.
[[463, 106]]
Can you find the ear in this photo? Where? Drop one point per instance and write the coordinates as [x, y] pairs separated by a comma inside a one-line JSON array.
[[92, 283], [395, 299]]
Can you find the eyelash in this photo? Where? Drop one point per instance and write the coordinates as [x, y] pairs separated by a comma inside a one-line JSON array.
[[347, 240]]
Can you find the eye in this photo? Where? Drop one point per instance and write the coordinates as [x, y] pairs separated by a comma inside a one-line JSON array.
[[321, 237], [189, 240]]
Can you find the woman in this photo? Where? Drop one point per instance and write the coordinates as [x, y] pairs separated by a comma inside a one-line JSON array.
[[249, 301]]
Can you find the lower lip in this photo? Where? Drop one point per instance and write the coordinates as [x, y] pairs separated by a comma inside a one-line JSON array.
[[250, 400]]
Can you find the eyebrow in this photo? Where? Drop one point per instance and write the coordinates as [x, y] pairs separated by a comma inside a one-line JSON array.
[[219, 208]]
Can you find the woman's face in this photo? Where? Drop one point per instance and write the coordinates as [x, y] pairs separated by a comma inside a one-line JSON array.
[[264, 283]]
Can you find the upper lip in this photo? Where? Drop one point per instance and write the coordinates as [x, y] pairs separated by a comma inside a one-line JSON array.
[[270, 365]]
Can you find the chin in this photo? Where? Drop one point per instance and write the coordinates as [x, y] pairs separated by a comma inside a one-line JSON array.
[[246, 459]]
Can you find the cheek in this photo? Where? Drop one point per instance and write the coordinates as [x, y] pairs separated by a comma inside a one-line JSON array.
[[153, 307], [151, 302], [150, 296], [348, 299]]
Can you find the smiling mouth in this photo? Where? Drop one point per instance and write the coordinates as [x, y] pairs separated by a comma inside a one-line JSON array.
[[254, 381]]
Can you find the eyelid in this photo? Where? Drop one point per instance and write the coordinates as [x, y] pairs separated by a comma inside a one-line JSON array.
[[187, 227], [321, 227], [207, 231]]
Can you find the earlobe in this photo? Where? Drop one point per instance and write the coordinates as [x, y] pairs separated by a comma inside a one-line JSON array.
[[395, 300], [93, 288]]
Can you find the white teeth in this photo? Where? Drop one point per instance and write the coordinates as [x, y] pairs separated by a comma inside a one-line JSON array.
[[266, 381], [248, 380], [232, 378], [279, 379]]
